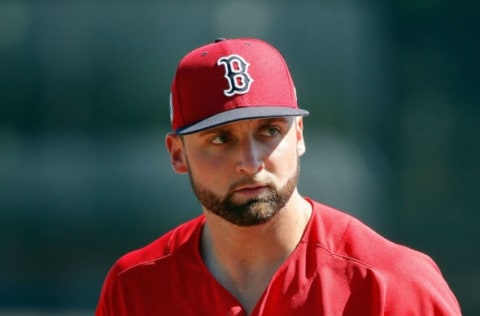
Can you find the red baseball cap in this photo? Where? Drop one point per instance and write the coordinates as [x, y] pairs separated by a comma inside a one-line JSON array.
[[231, 80]]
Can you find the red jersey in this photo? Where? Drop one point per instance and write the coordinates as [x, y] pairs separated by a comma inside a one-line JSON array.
[[340, 267]]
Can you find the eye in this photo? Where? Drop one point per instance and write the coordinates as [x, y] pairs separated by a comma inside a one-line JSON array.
[[271, 131], [220, 139]]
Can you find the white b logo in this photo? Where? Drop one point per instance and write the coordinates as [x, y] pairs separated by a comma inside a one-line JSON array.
[[239, 80]]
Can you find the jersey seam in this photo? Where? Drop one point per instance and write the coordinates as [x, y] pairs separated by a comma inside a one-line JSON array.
[[334, 251]]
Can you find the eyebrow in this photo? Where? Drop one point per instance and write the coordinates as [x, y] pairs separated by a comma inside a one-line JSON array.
[[212, 130], [225, 127], [275, 119]]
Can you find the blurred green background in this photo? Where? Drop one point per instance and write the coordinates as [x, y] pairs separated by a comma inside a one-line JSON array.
[[392, 87]]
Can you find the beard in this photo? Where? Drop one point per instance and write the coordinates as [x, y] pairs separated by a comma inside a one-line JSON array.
[[254, 211]]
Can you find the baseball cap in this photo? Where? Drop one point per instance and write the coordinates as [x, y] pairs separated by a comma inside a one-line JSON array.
[[231, 80]]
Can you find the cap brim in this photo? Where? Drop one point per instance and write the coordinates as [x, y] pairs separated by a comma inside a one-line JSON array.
[[240, 114]]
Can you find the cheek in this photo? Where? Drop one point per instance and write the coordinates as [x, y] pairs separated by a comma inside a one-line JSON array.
[[203, 164], [285, 155]]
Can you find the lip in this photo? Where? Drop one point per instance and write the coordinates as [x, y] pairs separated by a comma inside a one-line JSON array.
[[251, 190]]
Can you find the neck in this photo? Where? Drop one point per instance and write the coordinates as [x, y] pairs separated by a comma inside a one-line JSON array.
[[244, 259]]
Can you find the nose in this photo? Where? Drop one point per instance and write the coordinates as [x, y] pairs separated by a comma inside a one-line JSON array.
[[250, 156]]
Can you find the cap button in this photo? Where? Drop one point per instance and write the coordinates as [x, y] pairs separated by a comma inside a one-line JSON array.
[[219, 39]]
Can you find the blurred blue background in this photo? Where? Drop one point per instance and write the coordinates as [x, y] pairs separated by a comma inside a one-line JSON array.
[[393, 91]]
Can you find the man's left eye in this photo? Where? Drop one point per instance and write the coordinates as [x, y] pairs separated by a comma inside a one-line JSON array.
[[272, 131]]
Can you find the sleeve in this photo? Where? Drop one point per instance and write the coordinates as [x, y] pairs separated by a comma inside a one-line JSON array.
[[420, 289], [409, 281], [108, 302]]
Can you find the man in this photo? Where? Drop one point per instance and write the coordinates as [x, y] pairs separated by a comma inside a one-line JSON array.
[[260, 248]]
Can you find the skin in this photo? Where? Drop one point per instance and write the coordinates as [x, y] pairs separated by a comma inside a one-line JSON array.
[[245, 176]]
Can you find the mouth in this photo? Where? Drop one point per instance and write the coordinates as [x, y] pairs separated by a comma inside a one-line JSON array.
[[251, 190]]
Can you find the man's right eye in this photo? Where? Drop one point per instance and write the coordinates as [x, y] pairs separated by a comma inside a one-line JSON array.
[[220, 139]]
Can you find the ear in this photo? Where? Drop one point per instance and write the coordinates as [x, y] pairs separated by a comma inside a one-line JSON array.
[[175, 148], [299, 134]]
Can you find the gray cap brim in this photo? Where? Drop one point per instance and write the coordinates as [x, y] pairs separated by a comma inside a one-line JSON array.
[[241, 114]]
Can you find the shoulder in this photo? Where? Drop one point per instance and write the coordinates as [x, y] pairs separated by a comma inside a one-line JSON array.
[[159, 249], [404, 275], [346, 236], [131, 286]]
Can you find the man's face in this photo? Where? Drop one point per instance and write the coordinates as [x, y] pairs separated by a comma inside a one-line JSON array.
[[245, 171]]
